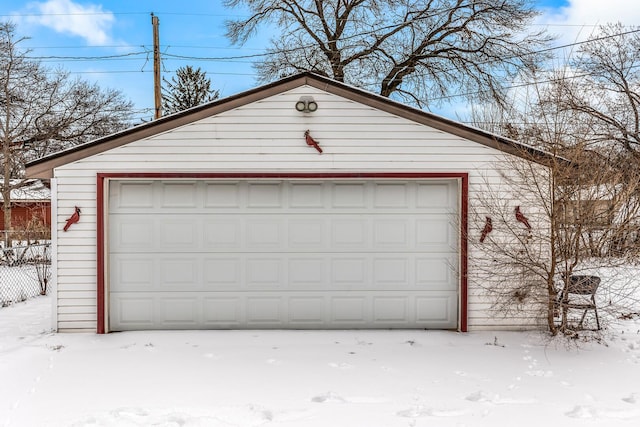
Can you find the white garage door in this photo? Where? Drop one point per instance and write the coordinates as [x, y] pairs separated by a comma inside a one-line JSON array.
[[282, 254]]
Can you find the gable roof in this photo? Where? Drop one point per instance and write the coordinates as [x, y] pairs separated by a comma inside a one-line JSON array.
[[43, 167]]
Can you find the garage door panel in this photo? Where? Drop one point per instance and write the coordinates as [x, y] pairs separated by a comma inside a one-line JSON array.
[[348, 195], [391, 273], [350, 272], [264, 272], [170, 232], [305, 310], [222, 273], [264, 310], [264, 233], [264, 254], [390, 195], [348, 310], [179, 195], [222, 312], [391, 309], [264, 195], [157, 233], [178, 233], [437, 197], [133, 195], [307, 196], [179, 273], [436, 271], [222, 195], [350, 233], [306, 234], [131, 233], [132, 272], [307, 272], [436, 234], [437, 309], [131, 311], [391, 233], [179, 311], [222, 233], [151, 273]]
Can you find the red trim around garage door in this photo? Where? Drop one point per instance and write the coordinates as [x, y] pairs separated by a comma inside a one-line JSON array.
[[101, 205]]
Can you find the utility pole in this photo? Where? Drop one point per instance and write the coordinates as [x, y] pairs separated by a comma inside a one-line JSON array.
[[155, 22]]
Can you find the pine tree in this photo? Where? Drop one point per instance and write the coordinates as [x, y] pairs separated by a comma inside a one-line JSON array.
[[188, 88]]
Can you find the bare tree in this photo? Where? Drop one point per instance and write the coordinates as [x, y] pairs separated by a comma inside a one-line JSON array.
[[603, 93], [188, 88], [418, 51], [605, 89], [581, 204], [43, 111]]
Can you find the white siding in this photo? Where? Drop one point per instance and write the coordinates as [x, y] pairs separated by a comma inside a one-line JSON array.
[[264, 136]]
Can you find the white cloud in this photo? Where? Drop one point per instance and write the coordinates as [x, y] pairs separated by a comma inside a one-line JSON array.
[[88, 21], [580, 18]]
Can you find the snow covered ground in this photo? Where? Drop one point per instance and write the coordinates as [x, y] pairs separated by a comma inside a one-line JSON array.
[[306, 378]]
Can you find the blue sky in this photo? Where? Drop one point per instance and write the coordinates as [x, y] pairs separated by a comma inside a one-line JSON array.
[[89, 38]]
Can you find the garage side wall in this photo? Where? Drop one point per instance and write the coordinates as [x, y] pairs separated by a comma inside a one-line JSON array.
[[265, 136]]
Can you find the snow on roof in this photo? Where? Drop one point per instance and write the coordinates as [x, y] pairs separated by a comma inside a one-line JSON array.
[[32, 190]]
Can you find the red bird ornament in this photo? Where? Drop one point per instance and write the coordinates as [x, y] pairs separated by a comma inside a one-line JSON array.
[[312, 142], [488, 228], [521, 218], [72, 219]]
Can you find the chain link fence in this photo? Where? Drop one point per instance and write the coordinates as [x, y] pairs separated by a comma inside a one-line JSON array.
[[25, 271]]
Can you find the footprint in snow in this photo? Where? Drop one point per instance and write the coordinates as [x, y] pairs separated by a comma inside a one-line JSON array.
[[481, 396], [589, 412], [422, 411], [484, 397], [619, 414], [634, 345], [333, 397], [540, 373], [328, 397], [130, 412], [341, 365]]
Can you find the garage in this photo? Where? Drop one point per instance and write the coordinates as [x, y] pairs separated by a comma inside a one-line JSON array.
[[282, 252], [249, 213]]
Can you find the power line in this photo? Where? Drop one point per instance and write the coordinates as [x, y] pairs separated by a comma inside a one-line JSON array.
[[87, 58], [296, 49], [143, 55], [31, 15], [132, 45], [221, 73], [221, 15]]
